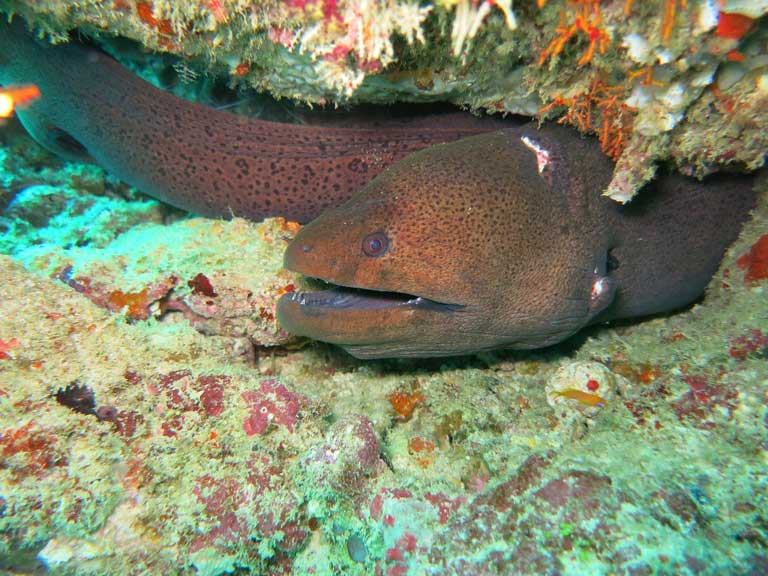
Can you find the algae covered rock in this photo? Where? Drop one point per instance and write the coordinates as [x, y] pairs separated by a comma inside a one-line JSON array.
[[583, 387], [212, 443]]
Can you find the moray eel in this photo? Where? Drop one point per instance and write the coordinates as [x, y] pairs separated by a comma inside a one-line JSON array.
[[209, 162], [474, 242], [503, 240]]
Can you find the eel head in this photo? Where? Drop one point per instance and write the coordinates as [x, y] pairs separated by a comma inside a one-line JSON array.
[[440, 255], [388, 280]]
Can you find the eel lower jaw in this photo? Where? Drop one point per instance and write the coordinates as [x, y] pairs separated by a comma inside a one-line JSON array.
[[366, 323], [372, 324]]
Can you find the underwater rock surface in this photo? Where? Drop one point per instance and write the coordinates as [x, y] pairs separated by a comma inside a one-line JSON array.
[[154, 419]]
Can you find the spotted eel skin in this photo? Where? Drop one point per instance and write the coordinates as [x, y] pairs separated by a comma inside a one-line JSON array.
[[209, 162]]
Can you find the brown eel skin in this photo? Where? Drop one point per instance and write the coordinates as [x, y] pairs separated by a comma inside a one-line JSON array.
[[503, 240], [209, 162], [471, 243]]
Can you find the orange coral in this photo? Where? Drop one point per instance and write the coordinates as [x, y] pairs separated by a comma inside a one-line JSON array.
[[648, 373], [646, 76], [733, 26], [668, 20], [404, 403], [421, 449], [136, 303], [145, 10], [587, 21], [600, 110], [755, 262], [242, 69], [418, 444], [5, 346]]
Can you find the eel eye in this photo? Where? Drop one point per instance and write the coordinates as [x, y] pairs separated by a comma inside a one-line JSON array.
[[376, 244]]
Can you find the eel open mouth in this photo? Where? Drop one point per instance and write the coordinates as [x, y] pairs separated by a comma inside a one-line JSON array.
[[337, 297]]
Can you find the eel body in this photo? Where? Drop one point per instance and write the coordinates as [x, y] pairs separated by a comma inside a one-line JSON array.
[[206, 161], [503, 240]]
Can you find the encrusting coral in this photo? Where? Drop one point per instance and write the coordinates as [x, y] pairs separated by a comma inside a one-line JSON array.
[[652, 80]]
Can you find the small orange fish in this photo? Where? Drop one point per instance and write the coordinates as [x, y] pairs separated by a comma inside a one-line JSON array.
[[582, 397], [15, 96]]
